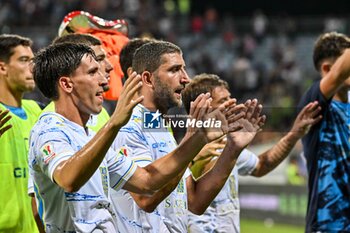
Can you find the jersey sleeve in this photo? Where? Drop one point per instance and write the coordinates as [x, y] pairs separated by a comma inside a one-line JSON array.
[[120, 168], [51, 147], [132, 143], [246, 162], [311, 138], [314, 94], [132, 149]]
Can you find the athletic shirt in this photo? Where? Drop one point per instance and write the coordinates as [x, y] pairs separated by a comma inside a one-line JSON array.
[[144, 146], [223, 213], [53, 140], [15, 205], [95, 123], [327, 152]]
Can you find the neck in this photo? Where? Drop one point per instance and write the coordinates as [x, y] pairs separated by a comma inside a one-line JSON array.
[[150, 103], [9, 97], [153, 108], [71, 112]]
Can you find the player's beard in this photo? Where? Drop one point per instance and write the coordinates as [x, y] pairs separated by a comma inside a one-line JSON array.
[[164, 98]]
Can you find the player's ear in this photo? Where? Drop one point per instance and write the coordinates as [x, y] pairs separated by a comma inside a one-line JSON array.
[[3, 68], [129, 71], [325, 68], [66, 84], [147, 78]]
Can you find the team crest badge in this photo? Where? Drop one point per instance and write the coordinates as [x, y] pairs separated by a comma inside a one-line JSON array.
[[123, 151], [47, 152]]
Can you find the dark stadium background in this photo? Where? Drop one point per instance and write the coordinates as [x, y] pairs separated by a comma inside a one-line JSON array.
[[218, 37]]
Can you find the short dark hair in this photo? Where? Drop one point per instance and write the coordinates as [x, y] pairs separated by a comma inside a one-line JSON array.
[[10, 41], [329, 46], [56, 61], [201, 83], [127, 53], [86, 39], [149, 56]]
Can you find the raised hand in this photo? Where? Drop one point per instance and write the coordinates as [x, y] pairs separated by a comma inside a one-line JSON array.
[[247, 126], [3, 119], [204, 159], [307, 117], [199, 107], [227, 110], [211, 150], [126, 103]]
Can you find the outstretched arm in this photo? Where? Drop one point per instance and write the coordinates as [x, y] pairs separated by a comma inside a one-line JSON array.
[[202, 192], [163, 170], [339, 72], [270, 159], [74, 172], [205, 158], [149, 203]]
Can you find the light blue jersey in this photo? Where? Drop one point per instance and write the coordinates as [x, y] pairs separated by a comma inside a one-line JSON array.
[[223, 213], [53, 140], [144, 146]]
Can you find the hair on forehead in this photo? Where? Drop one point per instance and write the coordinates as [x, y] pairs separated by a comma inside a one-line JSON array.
[[8, 42], [127, 53], [201, 83], [56, 61], [329, 45], [149, 56]]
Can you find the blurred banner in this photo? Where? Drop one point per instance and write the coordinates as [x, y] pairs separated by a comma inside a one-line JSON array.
[[277, 203]]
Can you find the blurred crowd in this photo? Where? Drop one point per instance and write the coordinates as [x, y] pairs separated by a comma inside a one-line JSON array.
[[267, 57], [260, 56]]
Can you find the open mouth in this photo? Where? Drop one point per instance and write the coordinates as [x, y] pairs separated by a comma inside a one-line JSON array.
[[178, 91], [99, 94]]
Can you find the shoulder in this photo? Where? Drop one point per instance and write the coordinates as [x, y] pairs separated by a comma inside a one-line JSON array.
[[313, 94], [50, 121], [31, 106], [31, 103]]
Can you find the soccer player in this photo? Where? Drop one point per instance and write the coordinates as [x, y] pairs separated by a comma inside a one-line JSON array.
[[223, 213], [71, 166], [163, 74], [15, 79], [327, 145], [97, 121]]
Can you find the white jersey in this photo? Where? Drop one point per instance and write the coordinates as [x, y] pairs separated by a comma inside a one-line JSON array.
[[53, 140], [223, 213], [144, 146]]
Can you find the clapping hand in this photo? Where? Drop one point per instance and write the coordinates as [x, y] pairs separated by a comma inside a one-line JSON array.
[[247, 126]]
